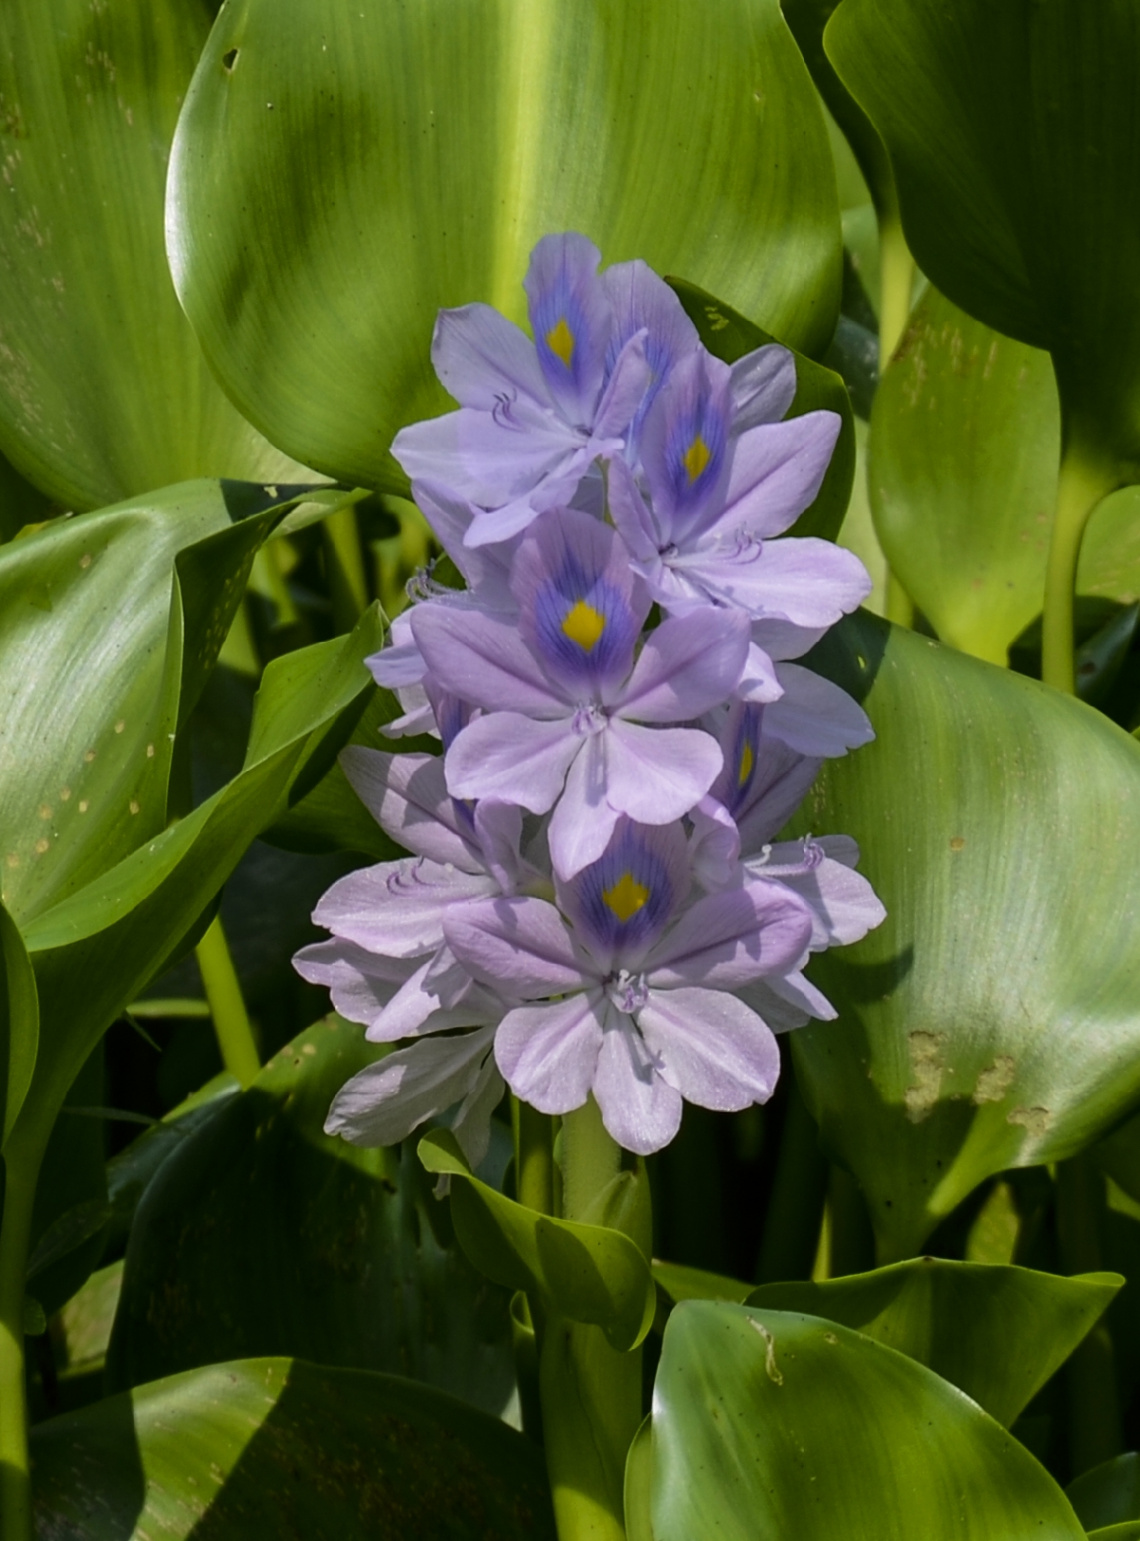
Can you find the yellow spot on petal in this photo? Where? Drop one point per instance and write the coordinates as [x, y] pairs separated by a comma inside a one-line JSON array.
[[560, 341], [747, 760], [584, 625], [626, 897], [696, 457]]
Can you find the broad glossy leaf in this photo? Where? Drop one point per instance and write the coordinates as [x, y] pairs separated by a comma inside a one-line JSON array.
[[768, 1425], [339, 174], [1014, 133], [996, 1333], [93, 673], [965, 445], [279, 1447], [729, 336], [19, 1022], [1109, 1494], [586, 1273], [95, 950], [263, 1235], [104, 392], [990, 1022]]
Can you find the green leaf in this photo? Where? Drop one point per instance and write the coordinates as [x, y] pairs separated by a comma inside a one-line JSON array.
[[639, 1485], [95, 951], [84, 1323], [984, 1025], [768, 1425], [1109, 1494], [586, 1273], [1129, 1531], [966, 441], [680, 1282], [19, 1023], [996, 1333], [71, 1207], [104, 392], [1014, 133], [338, 175], [729, 336], [93, 669], [807, 20], [131, 1172], [331, 1455], [261, 1234]]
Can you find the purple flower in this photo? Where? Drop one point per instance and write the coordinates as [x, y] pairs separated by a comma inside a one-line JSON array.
[[564, 701], [636, 999], [533, 416]]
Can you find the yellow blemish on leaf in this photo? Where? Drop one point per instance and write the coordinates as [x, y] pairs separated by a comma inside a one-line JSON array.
[[44, 810], [134, 805], [626, 897], [584, 625], [64, 794], [42, 846], [88, 756], [560, 341], [120, 725], [696, 458], [83, 805], [12, 859], [747, 760]]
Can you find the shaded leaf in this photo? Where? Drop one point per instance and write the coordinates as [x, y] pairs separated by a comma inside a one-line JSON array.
[[1014, 134], [261, 1234], [1109, 1494], [331, 1455]]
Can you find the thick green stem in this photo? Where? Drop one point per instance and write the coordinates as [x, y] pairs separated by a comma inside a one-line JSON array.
[[21, 1167], [534, 1157], [896, 282], [1080, 488], [1093, 1403], [345, 567], [591, 1394], [227, 1007]]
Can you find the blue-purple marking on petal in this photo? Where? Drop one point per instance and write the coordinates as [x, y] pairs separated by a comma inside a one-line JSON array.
[[625, 899]]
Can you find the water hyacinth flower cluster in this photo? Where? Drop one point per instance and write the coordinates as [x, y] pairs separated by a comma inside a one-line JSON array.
[[593, 902]]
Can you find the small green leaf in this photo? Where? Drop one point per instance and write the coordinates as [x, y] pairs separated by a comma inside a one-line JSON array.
[[639, 1485], [339, 175], [587, 1273], [328, 1454], [104, 392], [1109, 1494], [373, 1278], [1128, 1531], [35, 1322], [729, 336], [983, 1025], [996, 1333], [768, 1425]]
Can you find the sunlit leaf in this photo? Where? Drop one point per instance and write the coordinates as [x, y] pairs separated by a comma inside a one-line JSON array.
[[966, 442], [768, 1425], [340, 173], [989, 1022], [997, 1334], [104, 392], [587, 1273]]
